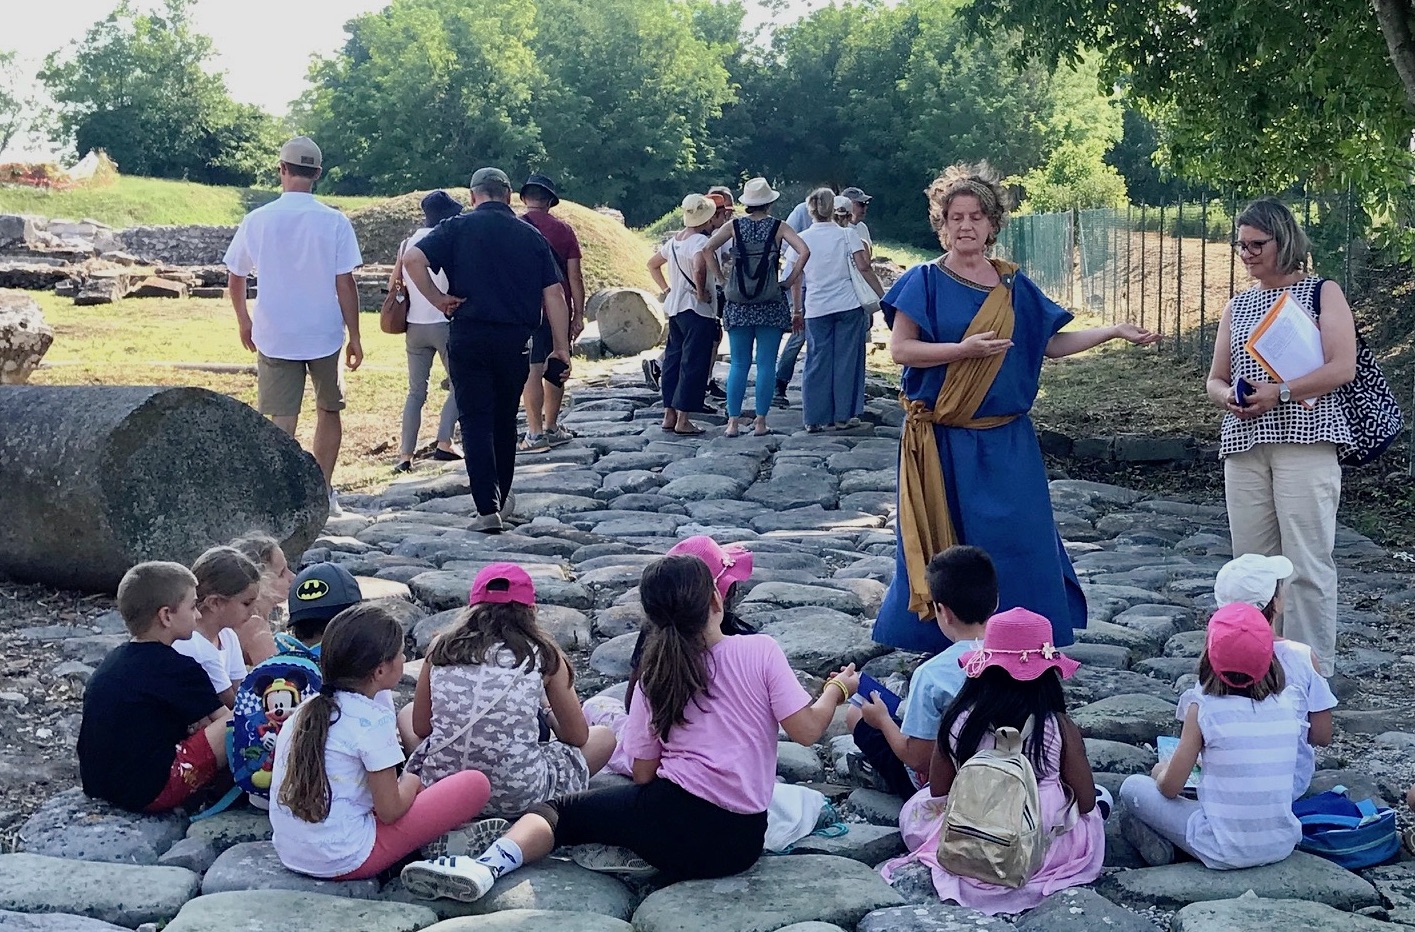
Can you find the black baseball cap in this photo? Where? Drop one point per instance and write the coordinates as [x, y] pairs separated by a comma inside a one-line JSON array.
[[321, 591], [542, 181]]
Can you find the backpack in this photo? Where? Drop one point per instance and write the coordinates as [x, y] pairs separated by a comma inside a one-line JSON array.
[[992, 822], [1349, 834], [754, 268], [264, 702]]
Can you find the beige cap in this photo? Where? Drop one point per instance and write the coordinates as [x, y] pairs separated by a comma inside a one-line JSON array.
[[301, 151], [697, 210]]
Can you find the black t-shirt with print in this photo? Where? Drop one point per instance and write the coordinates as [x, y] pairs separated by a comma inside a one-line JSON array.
[[137, 708]]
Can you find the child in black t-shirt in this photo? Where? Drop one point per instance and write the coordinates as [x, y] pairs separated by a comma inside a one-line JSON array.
[[153, 730]]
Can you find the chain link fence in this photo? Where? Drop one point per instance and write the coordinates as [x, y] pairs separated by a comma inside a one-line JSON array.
[[1170, 268]]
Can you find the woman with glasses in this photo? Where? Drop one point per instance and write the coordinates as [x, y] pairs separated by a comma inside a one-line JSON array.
[[1279, 441]]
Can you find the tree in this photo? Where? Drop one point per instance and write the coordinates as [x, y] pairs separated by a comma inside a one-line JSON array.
[[1259, 93], [16, 107], [424, 92], [136, 86]]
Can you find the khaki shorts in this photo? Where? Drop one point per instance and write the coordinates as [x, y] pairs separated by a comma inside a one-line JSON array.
[[280, 384]]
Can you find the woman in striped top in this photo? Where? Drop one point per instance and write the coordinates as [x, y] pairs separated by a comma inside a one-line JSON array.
[[1248, 737]]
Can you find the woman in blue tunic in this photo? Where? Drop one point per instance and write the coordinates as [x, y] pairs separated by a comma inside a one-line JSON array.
[[972, 332]]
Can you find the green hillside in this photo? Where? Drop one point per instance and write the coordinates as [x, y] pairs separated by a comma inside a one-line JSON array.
[[131, 202]]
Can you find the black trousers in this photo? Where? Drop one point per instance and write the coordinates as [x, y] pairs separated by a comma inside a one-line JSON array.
[[687, 360], [488, 364], [875, 746], [682, 835]]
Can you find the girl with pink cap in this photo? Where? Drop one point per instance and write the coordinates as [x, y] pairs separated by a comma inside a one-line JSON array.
[[1015, 676], [1248, 737]]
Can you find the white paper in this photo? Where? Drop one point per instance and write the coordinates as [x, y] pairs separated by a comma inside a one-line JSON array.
[[1292, 345]]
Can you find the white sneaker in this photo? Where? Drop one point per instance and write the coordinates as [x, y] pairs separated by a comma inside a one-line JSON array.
[[335, 510], [456, 878]]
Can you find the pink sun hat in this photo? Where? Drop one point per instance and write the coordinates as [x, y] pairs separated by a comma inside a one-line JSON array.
[[517, 585], [1019, 641], [729, 564]]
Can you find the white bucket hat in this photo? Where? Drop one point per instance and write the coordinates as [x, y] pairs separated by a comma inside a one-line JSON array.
[[1251, 579], [757, 193], [697, 210]]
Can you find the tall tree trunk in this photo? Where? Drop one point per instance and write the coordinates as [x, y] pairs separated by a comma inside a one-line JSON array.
[[1395, 19]]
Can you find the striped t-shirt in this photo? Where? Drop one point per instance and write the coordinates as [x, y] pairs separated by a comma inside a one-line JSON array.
[[1249, 759]]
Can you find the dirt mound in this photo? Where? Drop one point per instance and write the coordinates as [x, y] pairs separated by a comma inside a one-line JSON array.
[[613, 255]]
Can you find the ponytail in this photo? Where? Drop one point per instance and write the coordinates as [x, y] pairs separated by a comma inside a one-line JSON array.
[[676, 593], [357, 641]]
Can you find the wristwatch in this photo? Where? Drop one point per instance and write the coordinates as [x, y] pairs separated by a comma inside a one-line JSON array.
[[1284, 394]]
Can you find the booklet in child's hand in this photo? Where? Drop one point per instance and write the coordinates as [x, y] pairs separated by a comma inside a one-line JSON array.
[[1166, 745], [869, 685]]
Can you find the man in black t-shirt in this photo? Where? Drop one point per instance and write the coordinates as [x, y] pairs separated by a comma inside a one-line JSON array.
[[500, 272], [153, 729]]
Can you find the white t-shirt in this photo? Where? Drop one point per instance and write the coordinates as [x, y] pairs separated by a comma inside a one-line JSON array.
[[679, 256], [297, 246], [364, 739], [223, 662], [1307, 691], [829, 289], [863, 232], [420, 310]]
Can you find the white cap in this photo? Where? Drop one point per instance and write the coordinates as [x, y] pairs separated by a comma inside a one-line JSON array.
[[1251, 579], [842, 203]]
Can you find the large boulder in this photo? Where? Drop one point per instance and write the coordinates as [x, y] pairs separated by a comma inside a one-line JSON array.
[[24, 337], [284, 910], [123, 894], [72, 825], [97, 478], [630, 320]]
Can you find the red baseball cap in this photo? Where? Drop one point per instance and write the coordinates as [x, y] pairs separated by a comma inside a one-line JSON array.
[[502, 582], [1240, 640]]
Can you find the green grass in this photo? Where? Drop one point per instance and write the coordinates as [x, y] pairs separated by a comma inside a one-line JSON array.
[[128, 202], [907, 256]]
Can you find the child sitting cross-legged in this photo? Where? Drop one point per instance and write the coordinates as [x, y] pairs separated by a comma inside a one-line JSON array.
[[1013, 682], [477, 705], [1256, 580], [339, 809], [228, 584], [963, 584], [153, 730], [702, 730], [1248, 737]]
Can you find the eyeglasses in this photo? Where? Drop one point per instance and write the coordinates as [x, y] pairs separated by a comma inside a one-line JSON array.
[[1251, 247]]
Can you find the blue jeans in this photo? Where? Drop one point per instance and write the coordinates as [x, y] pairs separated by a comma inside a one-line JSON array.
[[739, 341], [833, 384], [786, 363]]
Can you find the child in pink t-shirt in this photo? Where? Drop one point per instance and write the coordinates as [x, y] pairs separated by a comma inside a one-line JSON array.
[[702, 732]]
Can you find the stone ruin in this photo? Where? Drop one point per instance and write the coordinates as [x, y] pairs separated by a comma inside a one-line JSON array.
[[24, 337]]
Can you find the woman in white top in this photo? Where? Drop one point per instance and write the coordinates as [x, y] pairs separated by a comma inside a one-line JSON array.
[[692, 319], [833, 384], [1282, 480], [426, 338]]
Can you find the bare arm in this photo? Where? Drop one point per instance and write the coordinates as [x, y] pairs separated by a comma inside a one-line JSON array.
[[714, 243], [806, 726], [803, 253], [908, 350], [942, 770], [655, 266], [348, 293], [862, 262], [700, 278], [1075, 768], [916, 752], [1171, 775], [236, 286], [577, 298], [558, 313], [1338, 347], [645, 770], [1319, 730], [569, 722], [415, 263], [1071, 342], [392, 795], [422, 702]]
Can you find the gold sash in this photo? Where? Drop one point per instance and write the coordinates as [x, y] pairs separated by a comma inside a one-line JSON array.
[[925, 525]]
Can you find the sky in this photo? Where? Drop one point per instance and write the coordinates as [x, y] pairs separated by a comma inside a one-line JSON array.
[[265, 50]]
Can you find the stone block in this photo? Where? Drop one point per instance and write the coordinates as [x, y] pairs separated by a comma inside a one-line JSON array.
[[285, 910], [254, 865], [1260, 914], [123, 894], [1300, 877], [630, 321], [72, 825], [24, 337]]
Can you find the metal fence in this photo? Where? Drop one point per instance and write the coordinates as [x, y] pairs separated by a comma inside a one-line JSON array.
[[1170, 267]]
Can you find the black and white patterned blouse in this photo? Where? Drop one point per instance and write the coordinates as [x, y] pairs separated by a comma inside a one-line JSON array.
[[1293, 422]]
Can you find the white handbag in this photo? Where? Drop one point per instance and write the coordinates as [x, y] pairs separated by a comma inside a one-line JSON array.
[[863, 292]]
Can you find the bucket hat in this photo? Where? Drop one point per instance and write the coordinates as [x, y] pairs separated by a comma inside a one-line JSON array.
[[697, 210], [541, 181], [1019, 641], [729, 564]]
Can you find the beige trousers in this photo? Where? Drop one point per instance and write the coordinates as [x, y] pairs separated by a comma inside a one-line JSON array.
[[1282, 499]]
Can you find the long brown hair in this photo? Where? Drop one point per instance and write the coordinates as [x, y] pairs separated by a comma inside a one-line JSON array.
[[224, 571], [357, 641], [487, 627], [676, 593]]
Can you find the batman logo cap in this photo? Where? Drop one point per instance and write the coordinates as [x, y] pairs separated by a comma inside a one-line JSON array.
[[322, 590]]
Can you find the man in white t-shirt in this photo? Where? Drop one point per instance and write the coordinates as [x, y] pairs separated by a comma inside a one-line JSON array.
[[859, 203], [305, 254]]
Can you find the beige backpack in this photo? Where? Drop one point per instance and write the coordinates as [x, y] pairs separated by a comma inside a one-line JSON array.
[[993, 828]]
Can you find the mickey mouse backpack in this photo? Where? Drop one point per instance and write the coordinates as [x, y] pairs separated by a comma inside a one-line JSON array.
[[264, 702]]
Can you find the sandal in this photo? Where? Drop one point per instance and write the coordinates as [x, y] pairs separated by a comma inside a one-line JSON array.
[[761, 433], [732, 432], [690, 433], [402, 466]]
